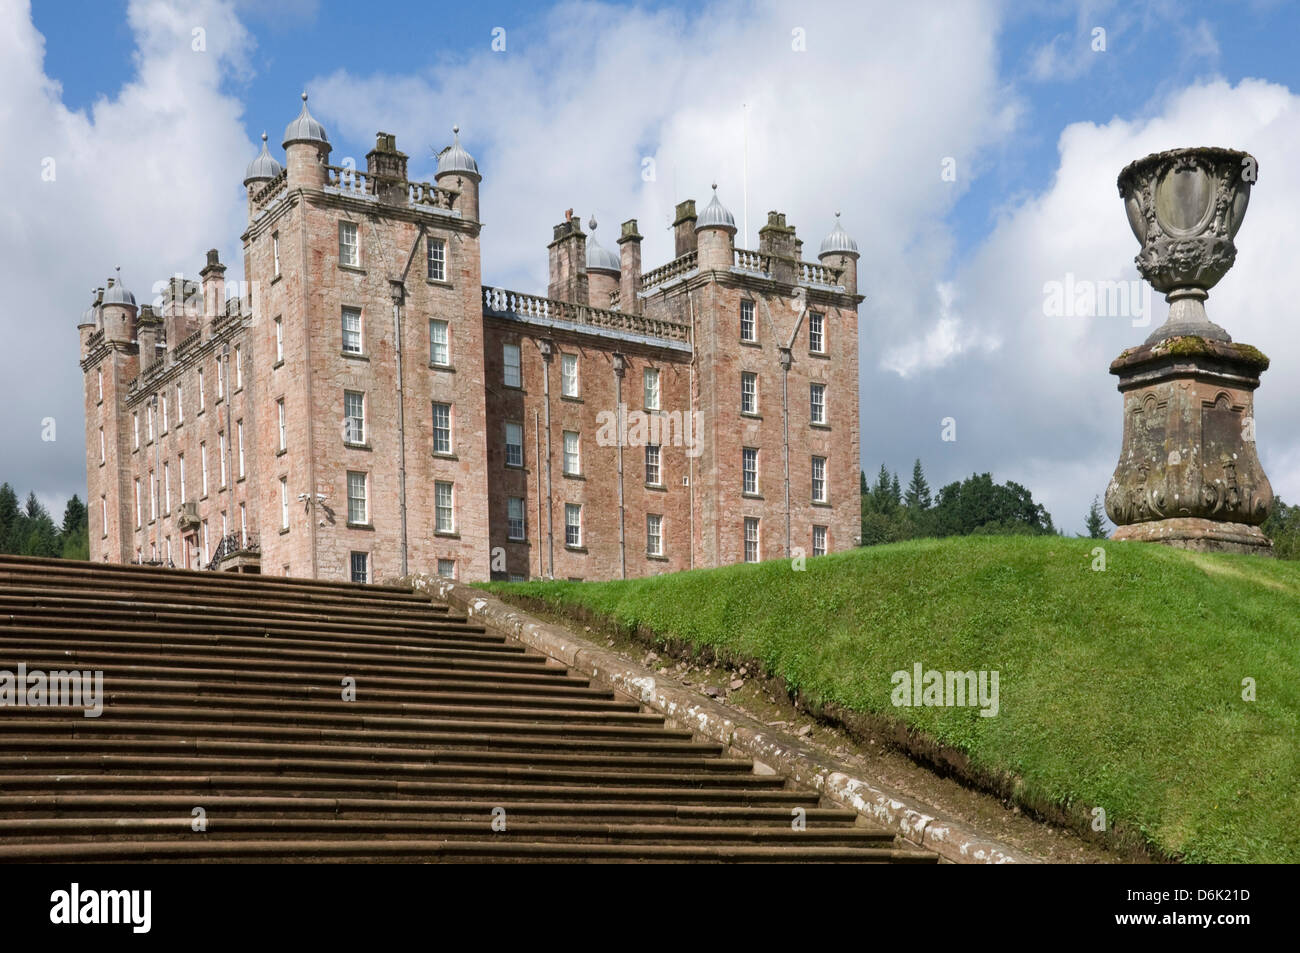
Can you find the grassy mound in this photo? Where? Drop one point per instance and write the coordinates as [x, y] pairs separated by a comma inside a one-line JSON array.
[[1120, 689]]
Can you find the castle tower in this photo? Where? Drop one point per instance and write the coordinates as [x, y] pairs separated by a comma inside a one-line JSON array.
[[567, 255], [715, 232], [118, 310], [602, 271], [458, 171], [306, 150], [839, 250]]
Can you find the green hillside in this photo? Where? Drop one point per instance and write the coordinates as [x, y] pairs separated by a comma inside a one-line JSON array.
[[1119, 688]]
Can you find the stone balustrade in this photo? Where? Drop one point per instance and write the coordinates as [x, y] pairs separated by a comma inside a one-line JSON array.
[[812, 273], [349, 181], [665, 273], [500, 301], [428, 195], [752, 262], [269, 191]]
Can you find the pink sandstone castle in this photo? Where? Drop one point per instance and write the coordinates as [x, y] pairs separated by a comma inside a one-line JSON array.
[[367, 407]]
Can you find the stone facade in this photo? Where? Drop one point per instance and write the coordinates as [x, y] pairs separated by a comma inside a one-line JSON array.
[[363, 406]]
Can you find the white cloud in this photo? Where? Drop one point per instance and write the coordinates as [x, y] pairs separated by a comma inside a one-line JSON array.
[[1061, 411], [142, 180]]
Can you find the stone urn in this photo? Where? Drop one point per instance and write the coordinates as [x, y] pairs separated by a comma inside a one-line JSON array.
[[1188, 473]]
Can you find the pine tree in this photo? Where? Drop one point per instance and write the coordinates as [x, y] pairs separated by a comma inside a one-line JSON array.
[[74, 538], [1096, 521], [895, 492], [918, 491], [9, 517]]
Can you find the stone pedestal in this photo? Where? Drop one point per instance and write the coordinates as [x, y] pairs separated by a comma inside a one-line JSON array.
[[1188, 474]]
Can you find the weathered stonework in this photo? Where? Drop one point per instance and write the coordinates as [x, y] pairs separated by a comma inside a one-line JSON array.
[[234, 363], [1188, 473]]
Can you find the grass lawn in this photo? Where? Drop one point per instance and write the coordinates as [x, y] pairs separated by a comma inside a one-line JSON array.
[[1120, 689]]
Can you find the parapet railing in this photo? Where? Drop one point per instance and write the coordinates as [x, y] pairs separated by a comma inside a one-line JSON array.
[[358, 182], [271, 189], [615, 297], [233, 544], [665, 273], [500, 301], [752, 261], [812, 273]]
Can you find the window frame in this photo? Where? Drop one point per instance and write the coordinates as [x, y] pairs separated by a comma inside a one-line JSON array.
[[440, 259], [450, 447], [508, 445], [346, 311], [445, 344], [747, 484], [506, 366], [352, 260], [354, 425], [363, 499]]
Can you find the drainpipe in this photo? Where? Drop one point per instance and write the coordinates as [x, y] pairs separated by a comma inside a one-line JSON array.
[[398, 292], [537, 455], [620, 366], [786, 359], [545, 347], [230, 437], [156, 489], [312, 524], [690, 460]]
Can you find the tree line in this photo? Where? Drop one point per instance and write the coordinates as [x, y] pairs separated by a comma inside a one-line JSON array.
[[28, 530]]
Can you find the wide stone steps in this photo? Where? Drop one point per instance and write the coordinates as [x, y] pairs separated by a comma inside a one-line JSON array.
[[315, 721]]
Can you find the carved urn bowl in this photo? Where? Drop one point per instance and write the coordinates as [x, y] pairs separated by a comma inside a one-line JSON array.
[[1185, 207]]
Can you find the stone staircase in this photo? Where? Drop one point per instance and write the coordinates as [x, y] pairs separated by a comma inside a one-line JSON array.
[[225, 693]]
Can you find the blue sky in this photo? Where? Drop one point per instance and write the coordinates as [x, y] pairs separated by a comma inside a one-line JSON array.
[[859, 120]]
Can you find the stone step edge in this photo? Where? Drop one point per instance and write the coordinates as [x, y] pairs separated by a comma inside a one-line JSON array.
[[916, 822]]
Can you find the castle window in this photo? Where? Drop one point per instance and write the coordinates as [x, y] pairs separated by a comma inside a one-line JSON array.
[[202, 398], [165, 424], [651, 381], [816, 332], [654, 538], [101, 445], [751, 539], [444, 512], [221, 381], [103, 514], [148, 416], [180, 463], [748, 393], [354, 417], [167, 487], [222, 438], [351, 331], [515, 517], [101, 383], [652, 473], [137, 502], [206, 557], [514, 445], [568, 375], [135, 428], [203, 466], [279, 340], [447, 568], [153, 497], [749, 469], [442, 428], [572, 455], [819, 479], [282, 424], [437, 259], [748, 330], [284, 502], [180, 411], [817, 403], [359, 565], [239, 369], [513, 375], [349, 252], [439, 343], [819, 541], [275, 253], [572, 524], [357, 511], [239, 432], [243, 525]]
